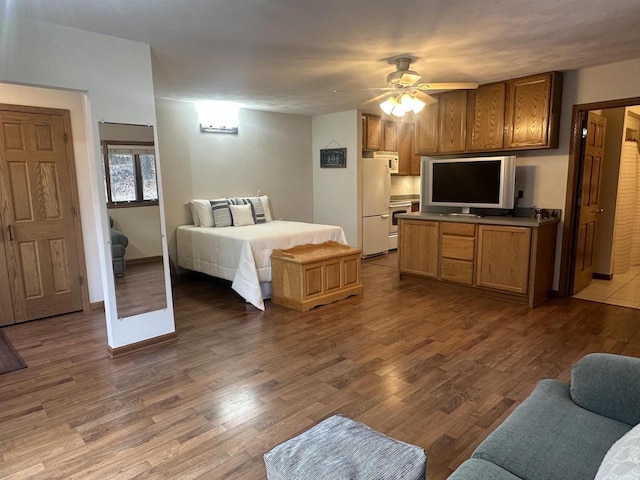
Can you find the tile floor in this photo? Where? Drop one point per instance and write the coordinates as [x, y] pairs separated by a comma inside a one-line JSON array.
[[622, 290]]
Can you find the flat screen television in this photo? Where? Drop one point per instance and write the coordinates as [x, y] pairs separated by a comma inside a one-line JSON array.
[[481, 182]]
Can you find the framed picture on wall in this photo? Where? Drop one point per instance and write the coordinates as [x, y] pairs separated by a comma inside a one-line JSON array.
[[333, 158]]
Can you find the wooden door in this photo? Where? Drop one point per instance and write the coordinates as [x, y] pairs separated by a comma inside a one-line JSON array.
[[486, 118], [418, 247], [452, 121], [38, 204], [6, 308], [405, 150], [589, 194]]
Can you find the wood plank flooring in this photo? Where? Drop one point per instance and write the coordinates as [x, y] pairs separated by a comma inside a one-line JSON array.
[[429, 366]]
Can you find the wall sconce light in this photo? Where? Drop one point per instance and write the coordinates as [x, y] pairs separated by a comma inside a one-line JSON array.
[[218, 117]]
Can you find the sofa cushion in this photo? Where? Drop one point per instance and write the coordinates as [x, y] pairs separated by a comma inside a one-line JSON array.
[[477, 469], [622, 461], [549, 437], [609, 385]]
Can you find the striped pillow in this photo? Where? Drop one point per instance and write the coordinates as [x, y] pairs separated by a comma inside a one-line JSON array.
[[221, 212], [256, 207]]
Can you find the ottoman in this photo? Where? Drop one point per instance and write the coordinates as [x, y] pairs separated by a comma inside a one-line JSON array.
[[341, 449]]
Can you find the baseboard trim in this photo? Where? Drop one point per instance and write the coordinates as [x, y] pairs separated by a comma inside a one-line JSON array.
[[96, 305], [149, 343], [602, 276]]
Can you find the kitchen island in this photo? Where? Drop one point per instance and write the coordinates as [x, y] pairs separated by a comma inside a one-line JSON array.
[[507, 257]]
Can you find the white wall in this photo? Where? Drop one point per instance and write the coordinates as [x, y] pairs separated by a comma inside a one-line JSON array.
[[336, 198], [270, 153], [116, 76]]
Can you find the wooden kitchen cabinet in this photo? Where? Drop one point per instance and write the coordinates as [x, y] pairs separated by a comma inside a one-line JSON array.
[[371, 132], [407, 159], [452, 121], [485, 115], [503, 258], [389, 136], [457, 252], [426, 130], [532, 111], [418, 247]]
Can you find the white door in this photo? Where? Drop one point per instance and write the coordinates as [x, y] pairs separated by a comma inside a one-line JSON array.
[[375, 234], [375, 187]]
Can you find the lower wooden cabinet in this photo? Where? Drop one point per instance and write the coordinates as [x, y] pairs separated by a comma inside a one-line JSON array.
[[503, 258], [513, 262], [418, 247]]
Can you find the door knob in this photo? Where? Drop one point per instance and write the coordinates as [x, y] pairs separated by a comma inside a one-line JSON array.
[[599, 211]]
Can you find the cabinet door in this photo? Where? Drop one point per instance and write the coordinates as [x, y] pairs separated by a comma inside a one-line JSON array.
[[426, 130], [418, 247], [486, 118], [389, 136], [452, 121], [503, 258], [372, 134], [527, 112], [405, 150]]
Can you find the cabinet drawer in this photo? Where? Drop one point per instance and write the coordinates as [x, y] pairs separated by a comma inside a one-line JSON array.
[[461, 248], [460, 271], [454, 228]]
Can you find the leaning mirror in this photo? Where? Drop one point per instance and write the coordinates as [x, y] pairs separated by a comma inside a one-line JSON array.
[[128, 153]]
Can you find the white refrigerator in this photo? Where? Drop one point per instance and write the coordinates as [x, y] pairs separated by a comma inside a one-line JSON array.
[[376, 185]]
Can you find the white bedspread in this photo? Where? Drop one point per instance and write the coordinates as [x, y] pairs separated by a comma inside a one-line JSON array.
[[243, 254]]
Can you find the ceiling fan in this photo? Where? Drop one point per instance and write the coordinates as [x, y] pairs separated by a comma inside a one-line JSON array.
[[405, 94]]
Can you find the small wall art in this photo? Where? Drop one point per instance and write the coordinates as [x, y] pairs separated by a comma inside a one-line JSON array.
[[333, 158]]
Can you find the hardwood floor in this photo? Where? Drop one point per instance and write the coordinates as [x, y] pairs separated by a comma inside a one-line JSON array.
[[429, 366]]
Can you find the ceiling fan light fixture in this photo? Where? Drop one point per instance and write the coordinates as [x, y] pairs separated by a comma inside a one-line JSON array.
[[418, 105], [388, 104], [398, 110]]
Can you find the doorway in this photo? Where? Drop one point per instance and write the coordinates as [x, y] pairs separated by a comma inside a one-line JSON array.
[[602, 269]]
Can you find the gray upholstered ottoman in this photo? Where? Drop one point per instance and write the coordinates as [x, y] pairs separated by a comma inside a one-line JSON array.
[[341, 449]]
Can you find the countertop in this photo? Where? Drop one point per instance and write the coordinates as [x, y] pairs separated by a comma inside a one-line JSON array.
[[492, 220]]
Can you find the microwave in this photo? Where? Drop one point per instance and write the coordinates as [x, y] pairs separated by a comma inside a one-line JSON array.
[[392, 160]]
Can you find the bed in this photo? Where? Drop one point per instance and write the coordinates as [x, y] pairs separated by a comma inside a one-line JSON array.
[[242, 255]]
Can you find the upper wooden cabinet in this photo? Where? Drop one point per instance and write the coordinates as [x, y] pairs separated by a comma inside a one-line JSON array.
[[426, 130], [485, 130], [452, 121], [532, 113], [518, 114], [389, 136], [371, 132], [405, 148]]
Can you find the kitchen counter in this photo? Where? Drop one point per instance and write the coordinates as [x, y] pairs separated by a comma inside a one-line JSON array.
[[492, 220]]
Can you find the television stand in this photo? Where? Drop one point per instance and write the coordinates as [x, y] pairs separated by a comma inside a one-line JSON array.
[[466, 212]]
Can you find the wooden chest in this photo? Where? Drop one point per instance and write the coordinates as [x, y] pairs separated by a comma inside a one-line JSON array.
[[306, 276]]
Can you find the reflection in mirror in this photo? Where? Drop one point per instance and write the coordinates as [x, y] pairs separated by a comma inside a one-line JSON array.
[[134, 214]]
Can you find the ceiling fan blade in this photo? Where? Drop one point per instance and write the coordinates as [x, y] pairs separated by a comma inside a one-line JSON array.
[[448, 86], [426, 98], [379, 97]]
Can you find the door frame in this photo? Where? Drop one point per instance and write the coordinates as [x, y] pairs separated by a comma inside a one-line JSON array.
[[73, 187], [569, 231]]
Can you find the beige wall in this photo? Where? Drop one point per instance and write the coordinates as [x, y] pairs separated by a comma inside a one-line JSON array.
[[270, 154]]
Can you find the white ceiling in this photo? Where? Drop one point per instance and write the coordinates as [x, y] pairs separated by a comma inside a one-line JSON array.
[[290, 55]]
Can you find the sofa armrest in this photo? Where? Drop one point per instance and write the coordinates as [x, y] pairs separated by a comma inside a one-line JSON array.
[[608, 385], [118, 238]]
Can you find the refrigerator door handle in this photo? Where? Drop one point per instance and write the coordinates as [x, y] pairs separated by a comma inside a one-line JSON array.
[[386, 215]]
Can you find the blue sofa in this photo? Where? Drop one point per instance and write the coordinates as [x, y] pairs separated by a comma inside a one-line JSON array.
[[119, 242], [563, 431]]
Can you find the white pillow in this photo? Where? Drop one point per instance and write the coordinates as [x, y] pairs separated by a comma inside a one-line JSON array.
[[204, 212], [622, 461], [265, 206], [242, 215], [194, 214]]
